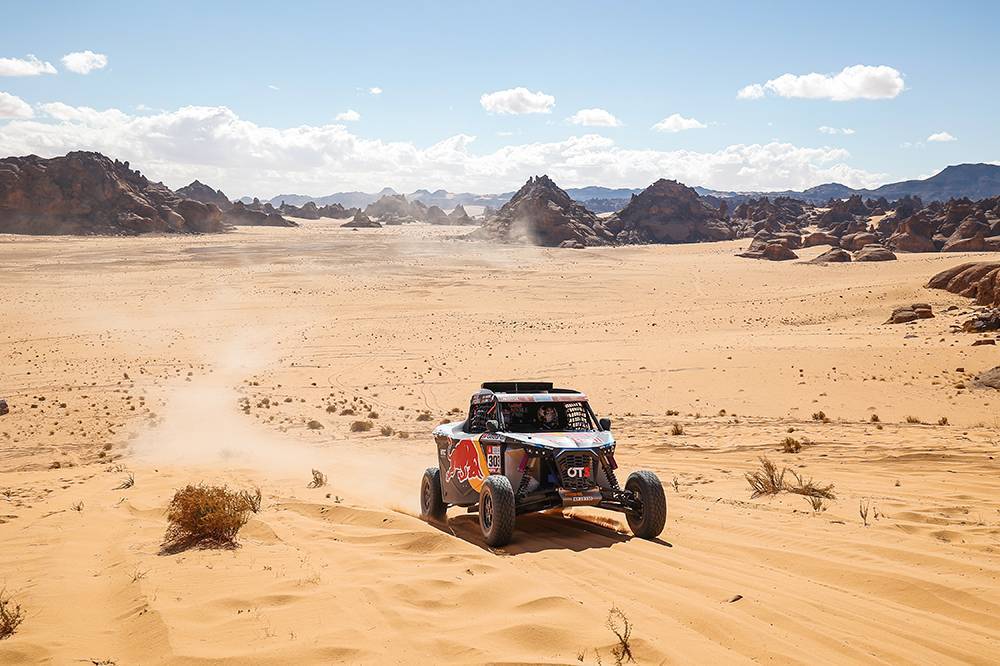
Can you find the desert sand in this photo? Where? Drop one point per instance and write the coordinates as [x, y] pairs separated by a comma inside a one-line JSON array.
[[183, 359]]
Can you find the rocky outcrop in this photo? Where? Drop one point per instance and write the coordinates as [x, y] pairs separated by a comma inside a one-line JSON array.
[[307, 211], [874, 253], [256, 215], [86, 193], [199, 191], [667, 212], [908, 313], [362, 221], [833, 255], [459, 216], [978, 280], [541, 213], [435, 215], [820, 238], [774, 251], [396, 205]]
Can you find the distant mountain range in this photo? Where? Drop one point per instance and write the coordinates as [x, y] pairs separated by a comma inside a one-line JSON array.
[[973, 181]]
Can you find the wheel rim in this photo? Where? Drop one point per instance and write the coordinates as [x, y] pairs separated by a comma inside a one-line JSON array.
[[425, 497], [487, 511]]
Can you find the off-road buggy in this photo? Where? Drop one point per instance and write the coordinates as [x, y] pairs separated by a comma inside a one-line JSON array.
[[527, 446]]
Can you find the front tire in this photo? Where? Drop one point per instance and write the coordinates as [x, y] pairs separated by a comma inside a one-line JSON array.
[[648, 522], [497, 510], [432, 506]]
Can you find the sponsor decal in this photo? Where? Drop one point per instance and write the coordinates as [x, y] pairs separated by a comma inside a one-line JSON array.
[[578, 472], [466, 464]]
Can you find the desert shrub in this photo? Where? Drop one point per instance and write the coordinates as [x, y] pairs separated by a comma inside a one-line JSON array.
[[314, 425], [820, 416], [330, 409], [11, 616], [676, 429], [767, 480], [863, 506], [943, 421], [809, 487], [425, 416], [874, 418], [318, 480], [815, 502], [621, 627], [673, 412], [386, 431], [361, 426], [913, 419], [403, 434], [127, 483], [373, 415], [252, 498], [206, 516], [790, 445], [347, 412]]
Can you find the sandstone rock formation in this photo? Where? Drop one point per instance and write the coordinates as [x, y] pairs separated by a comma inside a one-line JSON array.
[[459, 216], [199, 191], [667, 212], [435, 215], [540, 213], [251, 215], [833, 255], [908, 313], [977, 280], [774, 251], [88, 193], [362, 221], [874, 253]]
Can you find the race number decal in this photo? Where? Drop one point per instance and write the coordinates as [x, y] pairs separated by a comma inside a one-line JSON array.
[[493, 459]]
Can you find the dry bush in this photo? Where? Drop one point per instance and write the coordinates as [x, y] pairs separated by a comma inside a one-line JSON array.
[[330, 409], [11, 616], [426, 416], [767, 480], [815, 502], [913, 419], [361, 426], [874, 418], [676, 429], [673, 412], [386, 431], [127, 483], [820, 416], [373, 415], [621, 627], [318, 480], [347, 412], [790, 445], [205, 516], [943, 421], [78, 506], [314, 425], [863, 506], [809, 487], [403, 434], [252, 499]]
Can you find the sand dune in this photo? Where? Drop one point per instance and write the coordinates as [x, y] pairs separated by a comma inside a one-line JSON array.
[[180, 360]]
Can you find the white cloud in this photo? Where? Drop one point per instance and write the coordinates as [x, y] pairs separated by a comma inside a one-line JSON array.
[[27, 66], [854, 82], [216, 146], [84, 62], [825, 129], [941, 137], [349, 116], [517, 101], [14, 107], [375, 91], [273, 87], [752, 91], [678, 123], [594, 118]]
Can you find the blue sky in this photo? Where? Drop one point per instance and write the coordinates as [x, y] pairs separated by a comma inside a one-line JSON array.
[[246, 96]]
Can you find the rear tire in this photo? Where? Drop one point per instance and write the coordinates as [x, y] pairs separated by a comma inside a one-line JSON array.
[[432, 506], [648, 523], [497, 510]]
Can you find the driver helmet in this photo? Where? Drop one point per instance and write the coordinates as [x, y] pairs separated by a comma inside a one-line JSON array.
[[548, 417]]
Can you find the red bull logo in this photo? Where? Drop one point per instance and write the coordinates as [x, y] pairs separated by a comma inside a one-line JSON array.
[[464, 463]]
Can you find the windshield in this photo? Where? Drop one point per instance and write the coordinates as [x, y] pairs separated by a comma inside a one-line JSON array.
[[546, 417]]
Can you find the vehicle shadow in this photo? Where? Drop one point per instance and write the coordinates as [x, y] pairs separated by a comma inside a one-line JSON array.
[[538, 532]]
